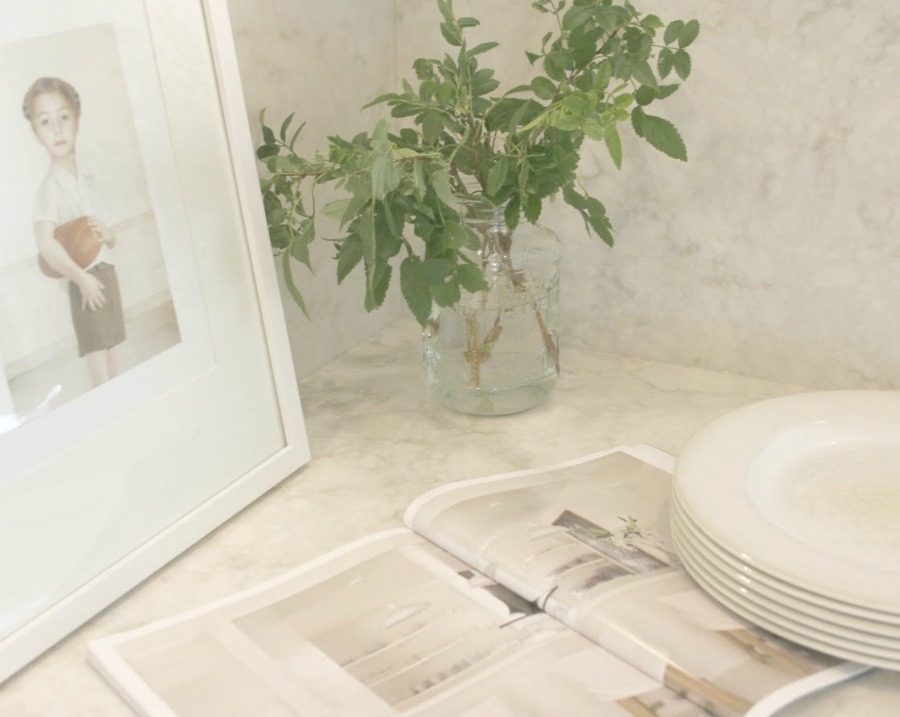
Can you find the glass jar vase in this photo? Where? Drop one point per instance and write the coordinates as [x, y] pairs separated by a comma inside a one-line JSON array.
[[496, 352]]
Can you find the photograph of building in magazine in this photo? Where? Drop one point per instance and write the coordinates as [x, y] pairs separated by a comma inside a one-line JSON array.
[[542, 593]]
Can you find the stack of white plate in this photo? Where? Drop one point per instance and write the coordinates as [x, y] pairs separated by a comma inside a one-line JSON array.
[[788, 513]]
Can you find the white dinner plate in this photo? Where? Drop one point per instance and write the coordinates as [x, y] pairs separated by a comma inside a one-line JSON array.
[[778, 625], [797, 613], [806, 488], [700, 570], [780, 591]]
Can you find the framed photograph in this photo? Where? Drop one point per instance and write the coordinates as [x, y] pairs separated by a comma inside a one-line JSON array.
[[147, 391]]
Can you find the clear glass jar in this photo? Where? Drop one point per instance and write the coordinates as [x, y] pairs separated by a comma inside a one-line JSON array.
[[496, 352]]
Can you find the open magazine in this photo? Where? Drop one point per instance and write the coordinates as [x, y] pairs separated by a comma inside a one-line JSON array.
[[540, 593]]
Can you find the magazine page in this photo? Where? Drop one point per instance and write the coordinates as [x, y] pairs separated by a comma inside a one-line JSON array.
[[587, 542], [390, 625]]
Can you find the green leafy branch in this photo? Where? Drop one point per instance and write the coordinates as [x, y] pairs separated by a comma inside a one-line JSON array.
[[604, 64]]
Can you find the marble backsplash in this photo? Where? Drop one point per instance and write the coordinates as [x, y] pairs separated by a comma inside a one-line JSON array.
[[322, 61], [773, 252]]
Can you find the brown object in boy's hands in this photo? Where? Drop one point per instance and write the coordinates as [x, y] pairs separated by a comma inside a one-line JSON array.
[[79, 240]]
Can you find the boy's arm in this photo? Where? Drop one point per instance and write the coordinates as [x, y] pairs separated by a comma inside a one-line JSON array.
[[104, 233], [58, 258]]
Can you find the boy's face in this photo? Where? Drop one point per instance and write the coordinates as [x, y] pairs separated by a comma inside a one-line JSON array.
[[55, 124]]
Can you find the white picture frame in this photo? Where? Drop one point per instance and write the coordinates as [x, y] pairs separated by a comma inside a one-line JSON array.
[[98, 493]]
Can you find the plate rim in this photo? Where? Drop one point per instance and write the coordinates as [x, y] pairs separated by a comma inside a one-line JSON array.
[[797, 592], [807, 621], [789, 633]]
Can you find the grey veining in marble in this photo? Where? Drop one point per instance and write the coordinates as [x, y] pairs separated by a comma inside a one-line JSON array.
[[377, 443]]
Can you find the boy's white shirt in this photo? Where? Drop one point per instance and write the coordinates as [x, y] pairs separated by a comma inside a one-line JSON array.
[[63, 196]]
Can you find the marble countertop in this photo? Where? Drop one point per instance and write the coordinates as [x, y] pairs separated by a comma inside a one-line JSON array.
[[377, 443]]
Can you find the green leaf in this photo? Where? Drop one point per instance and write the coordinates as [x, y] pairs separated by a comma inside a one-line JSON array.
[[414, 292], [427, 90], [390, 219], [624, 100], [594, 128], [284, 163], [554, 66], [483, 83], [682, 63], [689, 33], [532, 208], [451, 34], [434, 271], [509, 113], [282, 133], [378, 278], [365, 230], [652, 22], [387, 97], [665, 62], [511, 213], [456, 235], [405, 109], [598, 220], [299, 247], [291, 285], [483, 47], [440, 180], [603, 75], [569, 123], [639, 44], [583, 45], [543, 88], [362, 195], [575, 17], [348, 257], [470, 278], [432, 127], [497, 176], [613, 144], [592, 212], [446, 294], [576, 103], [424, 68], [381, 281], [380, 133], [264, 151], [280, 237], [276, 214], [296, 134], [419, 178], [401, 153], [382, 170], [642, 73], [660, 133], [673, 31], [645, 95], [664, 91], [446, 10], [337, 209]]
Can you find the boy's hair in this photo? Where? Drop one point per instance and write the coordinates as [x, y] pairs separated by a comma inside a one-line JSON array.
[[43, 85]]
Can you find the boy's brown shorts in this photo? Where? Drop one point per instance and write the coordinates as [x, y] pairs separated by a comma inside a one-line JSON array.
[[105, 327]]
